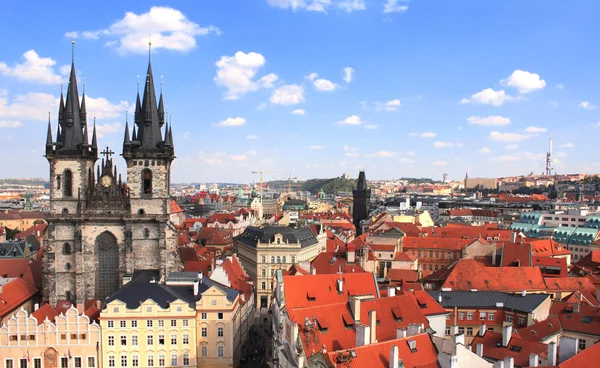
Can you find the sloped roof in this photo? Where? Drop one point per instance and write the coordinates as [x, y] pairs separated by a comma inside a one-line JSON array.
[[252, 235], [453, 244], [43, 312], [541, 330], [518, 348], [15, 293], [586, 321], [395, 274], [588, 358], [489, 299], [30, 270], [175, 207], [330, 262]]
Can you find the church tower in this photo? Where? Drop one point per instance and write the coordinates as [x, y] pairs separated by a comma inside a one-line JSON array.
[[362, 198], [100, 229]]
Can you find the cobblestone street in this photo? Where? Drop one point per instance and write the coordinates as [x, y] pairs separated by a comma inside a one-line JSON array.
[[259, 344]]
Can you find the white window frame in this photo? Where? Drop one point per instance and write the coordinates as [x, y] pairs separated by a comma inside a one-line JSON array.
[[87, 361]]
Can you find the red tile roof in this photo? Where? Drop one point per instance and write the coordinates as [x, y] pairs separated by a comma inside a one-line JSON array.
[[30, 270], [175, 207], [43, 312], [405, 257], [14, 294], [295, 270], [237, 277], [588, 264], [428, 305], [547, 248], [568, 283], [378, 355], [586, 321], [469, 274], [516, 254], [452, 244], [36, 230], [395, 274], [329, 262], [549, 265], [517, 348], [541, 330]]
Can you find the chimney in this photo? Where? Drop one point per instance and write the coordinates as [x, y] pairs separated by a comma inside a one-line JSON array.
[[391, 291], [509, 362], [552, 354], [576, 307], [482, 329], [98, 304], [340, 286], [479, 350], [459, 339], [454, 361], [350, 256], [513, 237], [394, 363], [373, 325], [499, 364], [199, 277], [313, 270], [363, 334], [36, 306], [524, 293], [196, 287], [440, 299], [413, 329], [355, 306], [506, 334], [494, 255], [533, 360], [400, 332]]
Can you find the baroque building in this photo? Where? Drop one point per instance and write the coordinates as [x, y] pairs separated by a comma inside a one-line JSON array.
[[102, 229]]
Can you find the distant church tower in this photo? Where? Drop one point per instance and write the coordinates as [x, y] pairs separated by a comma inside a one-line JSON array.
[[362, 198], [101, 229]]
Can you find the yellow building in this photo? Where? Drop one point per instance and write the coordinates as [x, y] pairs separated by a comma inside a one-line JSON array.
[[20, 220], [420, 219], [188, 321], [48, 340]]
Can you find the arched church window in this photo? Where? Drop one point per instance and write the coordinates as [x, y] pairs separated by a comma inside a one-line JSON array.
[[67, 249], [141, 211], [65, 211], [68, 266], [68, 187], [147, 181]]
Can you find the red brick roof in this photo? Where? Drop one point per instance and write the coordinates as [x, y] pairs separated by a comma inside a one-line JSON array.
[[586, 321], [28, 270], [470, 274], [518, 348], [330, 262], [15, 293], [175, 207], [378, 355], [541, 330]]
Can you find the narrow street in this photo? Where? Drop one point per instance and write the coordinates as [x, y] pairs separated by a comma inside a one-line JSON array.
[[259, 344]]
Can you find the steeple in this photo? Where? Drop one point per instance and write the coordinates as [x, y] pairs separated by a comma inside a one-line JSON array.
[[126, 140], [361, 184], [161, 109], [49, 134], [94, 140]]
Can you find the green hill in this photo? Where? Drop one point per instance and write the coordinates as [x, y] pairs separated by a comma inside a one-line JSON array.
[[329, 185]]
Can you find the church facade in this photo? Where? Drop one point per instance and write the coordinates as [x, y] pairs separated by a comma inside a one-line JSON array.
[[101, 229]]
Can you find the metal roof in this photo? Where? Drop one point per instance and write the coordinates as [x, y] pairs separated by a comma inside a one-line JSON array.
[[489, 299]]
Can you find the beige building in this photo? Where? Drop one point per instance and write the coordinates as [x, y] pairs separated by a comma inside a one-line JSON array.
[[264, 250], [188, 321], [67, 340]]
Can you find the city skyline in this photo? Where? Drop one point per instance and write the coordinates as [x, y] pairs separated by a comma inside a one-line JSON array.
[[398, 88]]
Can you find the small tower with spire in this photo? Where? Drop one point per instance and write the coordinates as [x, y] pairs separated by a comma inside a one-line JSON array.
[[361, 200], [149, 152]]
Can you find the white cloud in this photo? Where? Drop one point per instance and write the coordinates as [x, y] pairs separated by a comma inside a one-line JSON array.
[[186, 135], [371, 126], [352, 154], [505, 158], [440, 144], [406, 160], [29, 106], [350, 149], [289, 94], [509, 137], [312, 76], [236, 73], [169, 28], [553, 103], [492, 120], [324, 85], [524, 81], [299, 112], [566, 145], [230, 122], [348, 74], [384, 154], [262, 106], [587, 105], [352, 5], [439, 163], [350, 120], [309, 5], [316, 147], [484, 150], [560, 154], [10, 124], [101, 108], [392, 105], [427, 135], [109, 128], [33, 69], [488, 97], [392, 6], [251, 137], [533, 129], [560, 86], [511, 147]]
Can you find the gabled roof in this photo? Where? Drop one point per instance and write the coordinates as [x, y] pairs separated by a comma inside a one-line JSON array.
[[489, 299], [518, 348], [469, 274], [516, 254], [252, 235], [395, 274], [452, 244], [15, 293], [586, 321], [541, 330], [30, 270], [43, 312], [236, 276], [377, 355], [175, 207], [568, 283], [330, 262], [295, 270]]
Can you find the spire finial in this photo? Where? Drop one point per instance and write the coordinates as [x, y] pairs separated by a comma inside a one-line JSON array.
[[84, 83], [126, 116], [61, 89], [48, 116], [149, 48], [138, 84], [73, 49]]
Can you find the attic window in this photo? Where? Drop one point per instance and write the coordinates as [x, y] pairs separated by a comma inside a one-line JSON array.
[[397, 314], [310, 295], [422, 303], [514, 348], [586, 319], [348, 321], [323, 325]]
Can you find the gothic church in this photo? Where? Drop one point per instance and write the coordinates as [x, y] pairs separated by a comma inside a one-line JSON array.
[[101, 229]]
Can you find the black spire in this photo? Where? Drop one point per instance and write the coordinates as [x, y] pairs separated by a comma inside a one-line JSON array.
[[167, 137], [72, 128], [134, 135], [126, 139], [49, 134], [161, 109], [361, 184], [94, 140], [148, 122]]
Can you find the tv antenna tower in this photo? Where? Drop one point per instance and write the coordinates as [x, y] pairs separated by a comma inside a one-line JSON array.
[[549, 158]]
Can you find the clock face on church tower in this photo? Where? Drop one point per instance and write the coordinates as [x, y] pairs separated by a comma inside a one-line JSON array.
[[105, 180]]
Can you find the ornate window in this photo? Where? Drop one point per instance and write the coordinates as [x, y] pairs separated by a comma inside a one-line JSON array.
[[68, 187], [147, 181], [67, 249], [108, 262]]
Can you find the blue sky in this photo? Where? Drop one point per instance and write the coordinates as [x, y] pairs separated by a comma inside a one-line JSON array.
[[316, 88]]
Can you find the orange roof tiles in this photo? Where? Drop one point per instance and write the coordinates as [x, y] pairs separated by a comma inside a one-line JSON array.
[[541, 330], [377, 355], [175, 207], [453, 244], [329, 262], [22, 268], [14, 294], [547, 248], [43, 312], [586, 321], [516, 254], [568, 283], [469, 274], [518, 348]]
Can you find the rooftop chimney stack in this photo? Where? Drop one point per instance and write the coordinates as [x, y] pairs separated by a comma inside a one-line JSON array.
[[391, 291], [350, 256], [506, 334], [400, 332], [413, 329], [552, 354], [533, 360], [482, 329], [363, 334], [459, 339], [355, 305], [394, 363], [373, 325], [499, 364], [509, 362], [576, 307], [479, 350], [196, 287]]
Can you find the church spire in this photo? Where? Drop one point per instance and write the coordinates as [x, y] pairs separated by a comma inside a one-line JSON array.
[[126, 140], [49, 134], [161, 109], [167, 137], [94, 140]]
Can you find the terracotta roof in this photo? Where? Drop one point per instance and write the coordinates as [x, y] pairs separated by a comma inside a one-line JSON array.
[[518, 348], [551, 265], [324, 287], [586, 321], [295, 270], [15, 293], [405, 257], [237, 277], [469, 274], [329, 262], [30, 270], [43, 312], [187, 254], [460, 212], [334, 332], [583, 297], [590, 263], [541, 330], [197, 266], [377, 355], [516, 254], [34, 230], [428, 305], [568, 283], [333, 243], [547, 248], [588, 358], [183, 239], [395, 274], [222, 218], [175, 207], [453, 244]]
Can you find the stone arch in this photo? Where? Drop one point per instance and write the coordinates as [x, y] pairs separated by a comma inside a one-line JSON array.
[[107, 250]]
